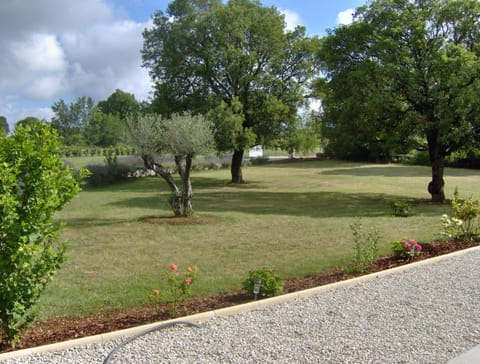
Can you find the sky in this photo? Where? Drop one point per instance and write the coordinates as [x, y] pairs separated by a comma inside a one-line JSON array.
[[63, 49]]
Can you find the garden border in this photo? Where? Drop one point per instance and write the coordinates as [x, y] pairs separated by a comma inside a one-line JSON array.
[[224, 312]]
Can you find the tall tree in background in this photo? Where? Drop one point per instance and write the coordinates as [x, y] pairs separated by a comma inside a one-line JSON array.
[[107, 124], [70, 120], [103, 130], [29, 120], [119, 103], [237, 58], [403, 69], [4, 128]]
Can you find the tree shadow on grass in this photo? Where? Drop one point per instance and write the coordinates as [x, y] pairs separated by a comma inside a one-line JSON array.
[[380, 170], [310, 204]]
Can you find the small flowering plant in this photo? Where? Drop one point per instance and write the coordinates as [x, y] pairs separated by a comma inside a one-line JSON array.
[[178, 285], [406, 248]]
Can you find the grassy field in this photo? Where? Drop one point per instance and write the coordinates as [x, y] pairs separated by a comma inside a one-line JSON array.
[[293, 218]]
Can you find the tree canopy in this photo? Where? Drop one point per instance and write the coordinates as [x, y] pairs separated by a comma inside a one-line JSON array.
[[236, 58], [405, 71]]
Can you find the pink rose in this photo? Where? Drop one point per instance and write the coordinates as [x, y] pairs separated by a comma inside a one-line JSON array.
[[408, 246], [418, 247], [412, 241], [188, 281], [173, 267]]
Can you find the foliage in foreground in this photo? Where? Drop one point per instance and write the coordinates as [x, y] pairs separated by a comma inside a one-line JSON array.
[[463, 224], [270, 284], [34, 184]]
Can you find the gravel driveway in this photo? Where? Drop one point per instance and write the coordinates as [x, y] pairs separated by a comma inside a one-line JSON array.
[[426, 314]]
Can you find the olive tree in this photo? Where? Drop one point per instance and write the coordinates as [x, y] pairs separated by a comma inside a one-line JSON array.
[[34, 184], [181, 135]]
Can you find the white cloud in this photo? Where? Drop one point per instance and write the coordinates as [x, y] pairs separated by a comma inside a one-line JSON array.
[[292, 19], [44, 87], [40, 52], [65, 49], [345, 17]]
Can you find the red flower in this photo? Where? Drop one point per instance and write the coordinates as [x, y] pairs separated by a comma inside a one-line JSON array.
[[173, 267], [188, 281]]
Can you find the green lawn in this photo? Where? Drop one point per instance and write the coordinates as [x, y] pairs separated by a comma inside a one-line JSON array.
[[293, 218]]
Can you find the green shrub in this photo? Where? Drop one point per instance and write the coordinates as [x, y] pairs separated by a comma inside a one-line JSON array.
[[463, 224], [258, 161], [464, 159], [270, 285], [34, 185], [419, 158], [400, 208], [365, 247]]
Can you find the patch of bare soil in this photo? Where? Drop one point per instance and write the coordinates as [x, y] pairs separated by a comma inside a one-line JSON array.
[[62, 329], [181, 220]]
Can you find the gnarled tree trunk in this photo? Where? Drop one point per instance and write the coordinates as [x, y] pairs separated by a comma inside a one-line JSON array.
[[236, 168], [175, 199]]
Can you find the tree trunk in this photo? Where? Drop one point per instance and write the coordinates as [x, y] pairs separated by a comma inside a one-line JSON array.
[[236, 168], [437, 160], [175, 199], [187, 194]]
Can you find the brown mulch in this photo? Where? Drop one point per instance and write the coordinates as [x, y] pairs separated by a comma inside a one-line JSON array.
[[62, 329], [182, 220]]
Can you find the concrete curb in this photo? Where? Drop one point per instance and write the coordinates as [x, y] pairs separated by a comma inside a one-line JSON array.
[[224, 312]]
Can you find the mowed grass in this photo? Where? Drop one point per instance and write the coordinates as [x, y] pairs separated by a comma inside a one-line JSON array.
[[292, 218]]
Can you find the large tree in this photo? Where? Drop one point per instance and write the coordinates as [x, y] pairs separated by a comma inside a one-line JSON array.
[[181, 135], [406, 69], [235, 57]]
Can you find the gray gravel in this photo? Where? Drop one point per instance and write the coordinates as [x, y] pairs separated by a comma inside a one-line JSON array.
[[429, 314]]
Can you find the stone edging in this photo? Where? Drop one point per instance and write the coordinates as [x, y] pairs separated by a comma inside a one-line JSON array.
[[224, 312]]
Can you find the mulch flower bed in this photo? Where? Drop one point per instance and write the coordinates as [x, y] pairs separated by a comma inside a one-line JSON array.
[[62, 329]]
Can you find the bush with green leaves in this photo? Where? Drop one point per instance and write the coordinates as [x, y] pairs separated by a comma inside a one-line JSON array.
[[463, 224], [365, 247], [34, 184], [270, 284], [400, 208]]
